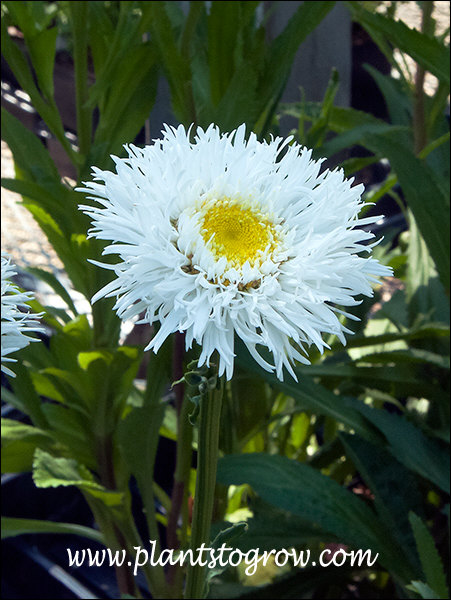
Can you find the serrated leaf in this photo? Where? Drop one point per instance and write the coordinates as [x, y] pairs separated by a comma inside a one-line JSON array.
[[423, 590], [429, 557], [430, 459], [429, 52], [19, 442], [70, 429], [49, 471], [395, 489], [418, 182], [225, 536], [303, 491], [272, 528]]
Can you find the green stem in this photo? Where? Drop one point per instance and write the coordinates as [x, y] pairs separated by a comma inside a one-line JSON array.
[[155, 578], [124, 576], [207, 458]]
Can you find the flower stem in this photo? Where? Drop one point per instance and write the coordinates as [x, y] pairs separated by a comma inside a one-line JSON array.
[[207, 458]]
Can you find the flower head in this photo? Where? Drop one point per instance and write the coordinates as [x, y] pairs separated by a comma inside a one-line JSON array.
[[223, 236], [16, 324]]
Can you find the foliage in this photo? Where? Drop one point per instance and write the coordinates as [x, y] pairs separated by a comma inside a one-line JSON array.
[[368, 420]]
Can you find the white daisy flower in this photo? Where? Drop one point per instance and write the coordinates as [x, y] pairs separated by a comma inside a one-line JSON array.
[[223, 236], [16, 324]]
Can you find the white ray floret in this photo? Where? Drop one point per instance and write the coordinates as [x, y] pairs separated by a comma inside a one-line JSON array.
[[17, 324], [222, 236]]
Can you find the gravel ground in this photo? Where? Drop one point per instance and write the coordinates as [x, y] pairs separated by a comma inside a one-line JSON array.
[[22, 238], [24, 241]]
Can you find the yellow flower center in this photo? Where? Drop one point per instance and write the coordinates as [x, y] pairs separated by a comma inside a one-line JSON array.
[[240, 233]]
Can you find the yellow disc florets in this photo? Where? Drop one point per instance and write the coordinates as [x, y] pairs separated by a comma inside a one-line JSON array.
[[237, 231]]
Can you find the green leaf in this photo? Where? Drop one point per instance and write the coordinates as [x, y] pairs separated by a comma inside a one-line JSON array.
[[12, 527], [397, 97], [47, 109], [320, 126], [49, 471], [311, 396], [303, 491], [239, 104], [54, 198], [427, 51], [430, 459], [118, 42], [130, 99], [222, 40], [225, 536], [19, 441], [429, 205], [413, 355], [79, 16], [425, 331], [108, 382], [425, 293], [272, 528], [429, 557], [49, 278], [70, 428], [394, 487], [353, 165], [283, 49], [175, 64], [423, 590], [28, 399], [23, 144], [55, 317], [42, 48], [74, 262], [138, 432], [33, 19], [65, 345], [402, 377]]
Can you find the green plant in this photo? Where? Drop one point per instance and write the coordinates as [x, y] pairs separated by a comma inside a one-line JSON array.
[[372, 418]]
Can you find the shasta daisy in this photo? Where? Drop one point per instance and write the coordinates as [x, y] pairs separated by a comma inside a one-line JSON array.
[[16, 323], [222, 236]]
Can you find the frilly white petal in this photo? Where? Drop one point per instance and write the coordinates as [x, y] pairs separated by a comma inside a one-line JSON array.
[[287, 300]]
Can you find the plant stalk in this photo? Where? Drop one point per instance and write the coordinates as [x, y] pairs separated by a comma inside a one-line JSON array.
[[207, 458], [124, 576]]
